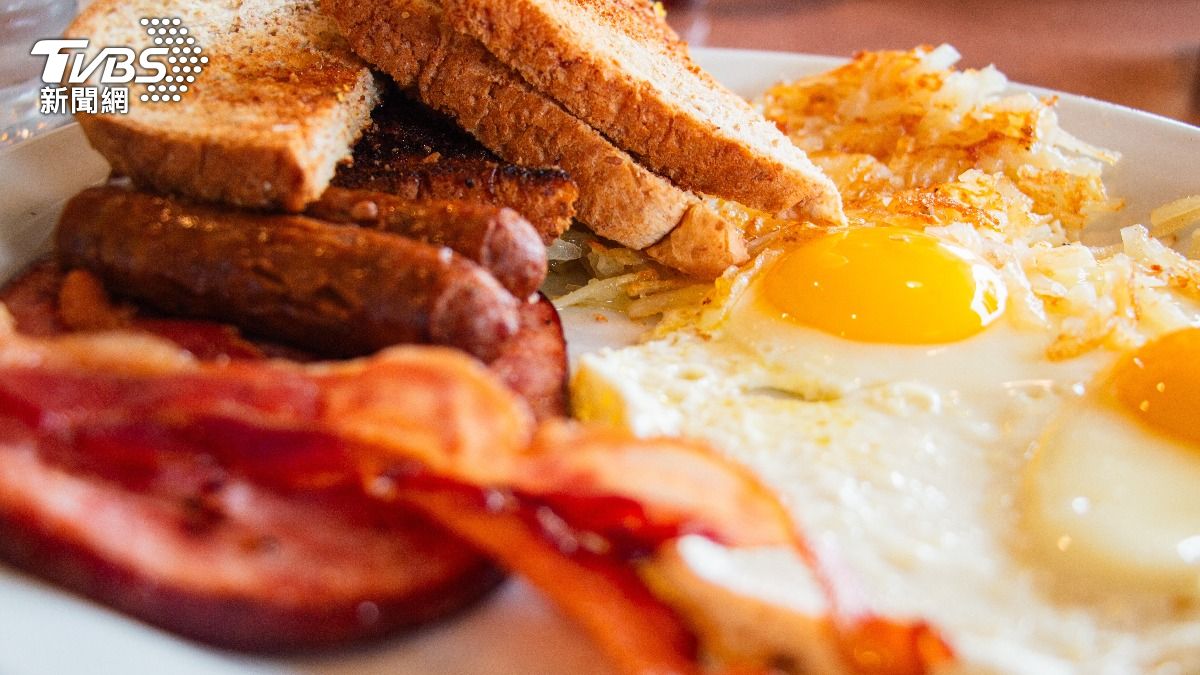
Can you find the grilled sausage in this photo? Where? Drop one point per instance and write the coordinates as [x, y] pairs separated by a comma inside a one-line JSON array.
[[533, 362], [497, 238], [336, 290]]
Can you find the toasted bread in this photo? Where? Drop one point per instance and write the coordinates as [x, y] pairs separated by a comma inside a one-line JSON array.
[[619, 199], [703, 245], [616, 65], [279, 103], [416, 153]]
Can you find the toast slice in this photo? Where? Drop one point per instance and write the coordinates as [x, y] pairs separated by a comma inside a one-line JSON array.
[[617, 65], [618, 198], [703, 245], [416, 153], [278, 105]]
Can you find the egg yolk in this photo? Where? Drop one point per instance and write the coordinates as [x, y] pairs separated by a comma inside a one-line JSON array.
[[885, 284], [1159, 384], [1111, 499]]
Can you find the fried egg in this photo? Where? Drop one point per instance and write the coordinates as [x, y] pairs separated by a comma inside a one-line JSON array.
[[874, 378], [1113, 493], [976, 420]]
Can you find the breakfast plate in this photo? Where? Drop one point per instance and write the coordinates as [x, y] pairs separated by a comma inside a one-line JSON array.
[[515, 631]]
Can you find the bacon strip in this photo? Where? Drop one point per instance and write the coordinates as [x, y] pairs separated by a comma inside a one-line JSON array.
[[417, 425], [408, 406], [637, 631]]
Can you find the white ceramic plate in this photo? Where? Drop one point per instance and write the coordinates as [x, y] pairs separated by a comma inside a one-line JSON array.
[[43, 630]]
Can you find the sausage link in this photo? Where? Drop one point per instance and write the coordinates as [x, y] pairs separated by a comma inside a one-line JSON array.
[[337, 290], [533, 363], [496, 237]]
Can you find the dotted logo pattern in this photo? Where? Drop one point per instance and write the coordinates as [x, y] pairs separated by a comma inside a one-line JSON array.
[[184, 61]]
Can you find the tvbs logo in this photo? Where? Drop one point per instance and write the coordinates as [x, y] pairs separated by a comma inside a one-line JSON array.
[[167, 69]]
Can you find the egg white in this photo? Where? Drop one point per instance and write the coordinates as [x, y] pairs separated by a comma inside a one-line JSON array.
[[1111, 503], [906, 463]]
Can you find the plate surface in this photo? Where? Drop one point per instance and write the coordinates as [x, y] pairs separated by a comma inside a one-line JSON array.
[[43, 630]]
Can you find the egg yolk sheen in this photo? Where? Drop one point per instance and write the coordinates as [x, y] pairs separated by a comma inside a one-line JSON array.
[[885, 284], [1159, 384]]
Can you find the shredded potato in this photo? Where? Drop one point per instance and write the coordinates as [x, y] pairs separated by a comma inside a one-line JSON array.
[[1169, 219], [913, 143], [600, 292], [904, 120]]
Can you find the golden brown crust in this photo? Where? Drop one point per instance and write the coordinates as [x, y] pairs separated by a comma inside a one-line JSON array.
[[395, 35], [279, 104], [239, 175], [619, 199], [615, 66], [704, 245]]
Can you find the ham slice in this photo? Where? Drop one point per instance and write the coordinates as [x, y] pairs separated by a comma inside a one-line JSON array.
[[230, 563], [577, 510], [188, 547]]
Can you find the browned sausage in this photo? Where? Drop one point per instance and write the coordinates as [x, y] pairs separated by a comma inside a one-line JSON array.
[[337, 290], [496, 237], [533, 362]]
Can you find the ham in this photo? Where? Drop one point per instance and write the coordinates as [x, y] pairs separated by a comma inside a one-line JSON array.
[[579, 511]]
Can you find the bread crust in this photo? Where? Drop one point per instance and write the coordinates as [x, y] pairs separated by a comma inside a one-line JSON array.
[[619, 199], [617, 66], [279, 104], [703, 245]]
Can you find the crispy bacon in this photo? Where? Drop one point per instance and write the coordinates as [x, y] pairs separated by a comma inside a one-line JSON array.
[[569, 507], [636, 630], [428, 408]]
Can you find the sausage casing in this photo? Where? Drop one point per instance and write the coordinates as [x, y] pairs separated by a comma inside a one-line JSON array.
[[496, 237], [337, 290]]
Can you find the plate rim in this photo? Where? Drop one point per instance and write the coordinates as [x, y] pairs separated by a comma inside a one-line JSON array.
[[167, 647]]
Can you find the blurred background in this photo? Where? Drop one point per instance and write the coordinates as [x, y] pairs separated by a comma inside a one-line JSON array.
[[1140, 53]]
